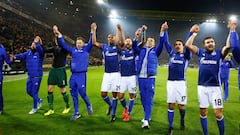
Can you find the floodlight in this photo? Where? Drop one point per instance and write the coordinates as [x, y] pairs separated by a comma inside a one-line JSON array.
[[100, 2], [113, 14], [233, 18]]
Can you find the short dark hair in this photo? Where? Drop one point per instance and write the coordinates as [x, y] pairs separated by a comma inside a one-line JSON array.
[[179, 40], [206, 38], [81, 38]]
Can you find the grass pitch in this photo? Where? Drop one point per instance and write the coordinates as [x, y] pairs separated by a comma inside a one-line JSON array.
[[17, 104]]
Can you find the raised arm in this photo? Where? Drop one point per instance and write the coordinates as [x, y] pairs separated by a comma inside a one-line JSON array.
[[226, 48], [94, 37], [39, 49], [21, 56], [38, 44], [164, 37], [195, 29], [159, 48], [120, 38], [143, 38], [188, 53], [234, 39], [135, 40], [60, 39], [90, 43], [137, 34]]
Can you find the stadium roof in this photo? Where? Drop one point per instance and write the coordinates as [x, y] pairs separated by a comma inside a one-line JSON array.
[[200, 6]]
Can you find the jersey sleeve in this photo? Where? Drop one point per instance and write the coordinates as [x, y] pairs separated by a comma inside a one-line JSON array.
[[188, 36], [39, 49], [21, 56], [135, 46], [199, 52], [89, 44], [64, 45], [167, 44], [104, 47], [159, 47], [234, 40]]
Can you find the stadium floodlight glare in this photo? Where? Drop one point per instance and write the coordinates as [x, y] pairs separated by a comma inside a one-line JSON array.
[[233, 18], [100, 2], [211, 21], [113, 14]]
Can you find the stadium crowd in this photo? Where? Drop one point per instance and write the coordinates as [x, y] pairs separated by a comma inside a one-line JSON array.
[[16, 35]]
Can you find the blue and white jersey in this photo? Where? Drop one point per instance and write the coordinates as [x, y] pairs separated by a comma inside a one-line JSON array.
[[127, 62], [111, 58], [80, 56], [209, 67], [178, 63], [225, 68], [34, 60]]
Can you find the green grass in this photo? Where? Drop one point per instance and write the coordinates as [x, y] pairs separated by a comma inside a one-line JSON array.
[[17, 121]]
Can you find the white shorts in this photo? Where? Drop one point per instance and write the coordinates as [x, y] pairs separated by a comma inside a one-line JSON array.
[[128, 83], [210, 95], [111, 82], [177, 92]]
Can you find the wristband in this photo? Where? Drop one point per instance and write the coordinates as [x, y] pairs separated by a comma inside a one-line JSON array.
[[195, 34]]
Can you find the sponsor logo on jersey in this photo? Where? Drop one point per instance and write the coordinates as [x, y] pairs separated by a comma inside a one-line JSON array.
[[203, 61], [111, 54], [127, 58], [176, 61]]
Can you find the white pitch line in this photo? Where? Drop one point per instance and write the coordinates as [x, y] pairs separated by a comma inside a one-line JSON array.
[[233, 86], [12, 78], [15, 79]]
